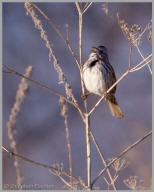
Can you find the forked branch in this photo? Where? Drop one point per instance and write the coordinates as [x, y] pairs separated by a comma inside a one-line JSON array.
[[122, 154]]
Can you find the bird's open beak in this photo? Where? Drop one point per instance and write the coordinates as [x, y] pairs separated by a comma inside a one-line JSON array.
[[95, 49]]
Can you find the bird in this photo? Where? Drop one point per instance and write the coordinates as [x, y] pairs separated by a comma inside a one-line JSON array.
[[99, 76]]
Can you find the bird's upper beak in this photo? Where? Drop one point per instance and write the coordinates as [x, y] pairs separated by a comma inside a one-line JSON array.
[[95, 49]]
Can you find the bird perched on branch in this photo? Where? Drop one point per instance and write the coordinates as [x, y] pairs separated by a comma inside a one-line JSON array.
[[99, 76]]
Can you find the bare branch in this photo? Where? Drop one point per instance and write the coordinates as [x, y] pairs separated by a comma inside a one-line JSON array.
[[45, 87], [43, 165]]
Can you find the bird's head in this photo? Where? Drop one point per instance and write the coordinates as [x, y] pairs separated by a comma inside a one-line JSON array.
[[101, 52]]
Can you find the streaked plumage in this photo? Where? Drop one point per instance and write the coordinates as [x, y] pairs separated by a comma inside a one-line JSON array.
[[99, 76]]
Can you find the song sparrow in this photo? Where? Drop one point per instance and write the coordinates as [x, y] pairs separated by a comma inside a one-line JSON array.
[[99, 76]]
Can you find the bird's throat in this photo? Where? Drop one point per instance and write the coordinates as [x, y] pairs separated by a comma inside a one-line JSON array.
[[93, 63]]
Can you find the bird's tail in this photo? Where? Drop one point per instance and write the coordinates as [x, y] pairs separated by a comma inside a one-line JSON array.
[[114, 107]]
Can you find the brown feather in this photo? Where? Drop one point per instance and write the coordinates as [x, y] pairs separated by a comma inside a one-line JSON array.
[[114, 107]]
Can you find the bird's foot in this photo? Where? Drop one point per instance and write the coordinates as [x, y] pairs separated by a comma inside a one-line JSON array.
[[84, 97]]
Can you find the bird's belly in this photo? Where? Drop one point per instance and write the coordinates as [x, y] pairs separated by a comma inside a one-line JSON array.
[[94, 81]]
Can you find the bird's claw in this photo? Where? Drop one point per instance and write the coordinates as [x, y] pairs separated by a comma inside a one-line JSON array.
[[84, 97]]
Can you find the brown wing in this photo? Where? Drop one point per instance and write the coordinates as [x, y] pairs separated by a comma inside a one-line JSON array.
[[109, 76]]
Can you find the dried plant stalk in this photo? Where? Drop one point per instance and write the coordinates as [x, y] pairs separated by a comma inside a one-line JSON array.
[[64, 110], [134, 183], [20, 96], [105, 8], [131, 33], [39, 26], [58, 32], [87, 118], [134, 34], [88, 144]]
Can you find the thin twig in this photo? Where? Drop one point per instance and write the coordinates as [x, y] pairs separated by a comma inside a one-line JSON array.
[[141, 34], [43, 165], [103, 160], [45, 87], [130, 56], [65, 182], [122, 154], [138, 68], [80, 31], [150, 70], [62, 179], [87, 7], [142, 62]]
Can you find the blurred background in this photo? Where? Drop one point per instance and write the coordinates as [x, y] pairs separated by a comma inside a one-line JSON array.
[[40, 130]]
